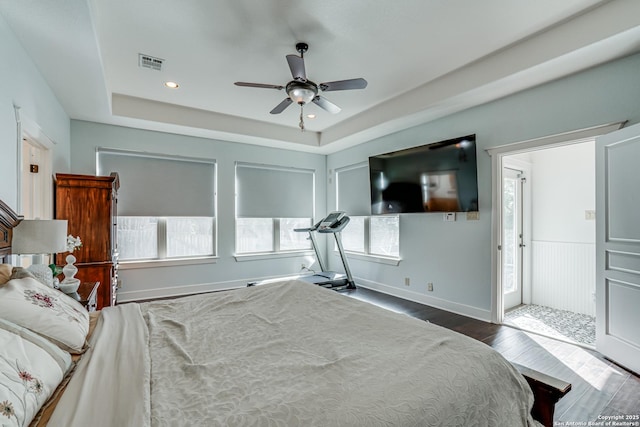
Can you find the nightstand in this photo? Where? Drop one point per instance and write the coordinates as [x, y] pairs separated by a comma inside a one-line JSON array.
[[87, 295]]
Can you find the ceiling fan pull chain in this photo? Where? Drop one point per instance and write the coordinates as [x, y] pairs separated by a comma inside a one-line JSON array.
[[301, 118]]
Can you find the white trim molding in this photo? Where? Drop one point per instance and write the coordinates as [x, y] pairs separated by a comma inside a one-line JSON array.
[[453, 307], [557, 140]]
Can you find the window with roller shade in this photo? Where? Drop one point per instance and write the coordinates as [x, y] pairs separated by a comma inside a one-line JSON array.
[[271, 202], [166, 204], [365, 234]]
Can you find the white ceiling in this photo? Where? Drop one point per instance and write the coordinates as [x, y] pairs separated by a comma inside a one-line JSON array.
[[423, 59]]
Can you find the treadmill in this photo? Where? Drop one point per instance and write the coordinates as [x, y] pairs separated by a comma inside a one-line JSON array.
[[333, 223]]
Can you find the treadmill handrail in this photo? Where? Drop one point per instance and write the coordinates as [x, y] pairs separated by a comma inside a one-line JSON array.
[[308, 229]]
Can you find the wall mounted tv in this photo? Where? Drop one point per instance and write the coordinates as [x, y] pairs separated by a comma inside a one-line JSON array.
[[438, 177]]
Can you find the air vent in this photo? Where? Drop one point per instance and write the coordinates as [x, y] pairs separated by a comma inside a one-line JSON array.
[[146, 61]]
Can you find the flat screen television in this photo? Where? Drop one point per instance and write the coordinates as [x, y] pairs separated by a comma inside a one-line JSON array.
[[438, 177]]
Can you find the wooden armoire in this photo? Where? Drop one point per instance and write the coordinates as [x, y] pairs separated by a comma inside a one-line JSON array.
[[89, 204]]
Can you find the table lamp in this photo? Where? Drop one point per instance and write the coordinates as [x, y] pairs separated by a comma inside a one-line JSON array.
[[38, 237]]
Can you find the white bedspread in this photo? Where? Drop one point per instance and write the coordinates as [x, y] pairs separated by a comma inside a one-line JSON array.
[[290, 354], [110, 386]]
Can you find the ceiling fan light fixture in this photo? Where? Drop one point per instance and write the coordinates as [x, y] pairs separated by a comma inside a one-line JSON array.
[[302, 92]]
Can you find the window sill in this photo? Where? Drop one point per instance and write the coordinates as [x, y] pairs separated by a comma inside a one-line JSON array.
[[272, 255], [372, 258], [151, 263]]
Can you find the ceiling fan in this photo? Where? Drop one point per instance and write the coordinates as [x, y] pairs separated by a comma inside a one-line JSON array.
[[302, 91]]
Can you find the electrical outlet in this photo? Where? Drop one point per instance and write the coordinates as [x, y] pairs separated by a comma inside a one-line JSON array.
[[430, 287], [407, 281], [449, 216]]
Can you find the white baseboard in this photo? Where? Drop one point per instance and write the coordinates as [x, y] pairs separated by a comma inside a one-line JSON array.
[[453, 307]]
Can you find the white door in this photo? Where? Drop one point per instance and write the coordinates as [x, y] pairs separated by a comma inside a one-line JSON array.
[[618, 246], [512, 237], [35, 181]]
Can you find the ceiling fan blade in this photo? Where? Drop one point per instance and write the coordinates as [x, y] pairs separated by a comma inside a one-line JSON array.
[[296, 65], [343, 85], [326, 105], [280, 107], [261, 85]]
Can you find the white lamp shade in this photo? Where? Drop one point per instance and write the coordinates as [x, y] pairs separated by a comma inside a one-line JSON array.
[[38, 236]]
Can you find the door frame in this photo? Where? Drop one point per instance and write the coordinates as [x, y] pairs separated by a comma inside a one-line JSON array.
[[525, 193], [28, 129], [497, 154]]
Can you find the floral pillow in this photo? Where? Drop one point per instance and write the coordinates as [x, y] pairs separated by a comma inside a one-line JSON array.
[[45, 311], [30, 370]]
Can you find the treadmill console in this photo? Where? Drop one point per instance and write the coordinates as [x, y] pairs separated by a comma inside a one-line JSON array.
[[333, 220]]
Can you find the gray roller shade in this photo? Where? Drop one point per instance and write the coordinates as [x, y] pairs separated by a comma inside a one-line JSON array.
[[157, 185], [264, 191]]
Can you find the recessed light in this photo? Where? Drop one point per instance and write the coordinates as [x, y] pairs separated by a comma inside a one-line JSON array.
[[172, 85], [311, 116]]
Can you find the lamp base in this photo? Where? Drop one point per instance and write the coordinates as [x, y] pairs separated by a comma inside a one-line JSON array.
[[69, 286], [69, 270]]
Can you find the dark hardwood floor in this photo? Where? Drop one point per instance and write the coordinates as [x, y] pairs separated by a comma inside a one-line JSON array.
[[599, 387]]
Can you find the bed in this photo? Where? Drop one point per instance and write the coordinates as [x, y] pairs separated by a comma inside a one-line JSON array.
[[284, 354]]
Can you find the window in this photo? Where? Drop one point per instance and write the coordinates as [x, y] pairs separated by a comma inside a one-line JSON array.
[[384, 236], [189, 236], [373, 235], [271, 202], [158, 219], [365, 234], [353, 236], [291, 240], [254, 235], [137, 237]]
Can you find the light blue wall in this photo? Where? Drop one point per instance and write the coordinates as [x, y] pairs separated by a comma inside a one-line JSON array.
[[453, 256], [226, 272], [456, 256], [22, 85]]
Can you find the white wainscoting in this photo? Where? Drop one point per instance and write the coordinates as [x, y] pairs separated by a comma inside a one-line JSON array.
[[563, 276]]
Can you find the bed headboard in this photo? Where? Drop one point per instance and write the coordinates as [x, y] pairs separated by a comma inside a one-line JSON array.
[[8, 220]]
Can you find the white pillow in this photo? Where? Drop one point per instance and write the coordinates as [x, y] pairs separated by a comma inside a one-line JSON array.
[[45, 311], [43, 273], [30, 370]]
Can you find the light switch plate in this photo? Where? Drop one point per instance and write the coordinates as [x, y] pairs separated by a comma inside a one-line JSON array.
[[450, 216]]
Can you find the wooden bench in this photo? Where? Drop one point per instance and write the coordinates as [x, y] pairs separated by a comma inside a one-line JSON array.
[[547, 391]]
